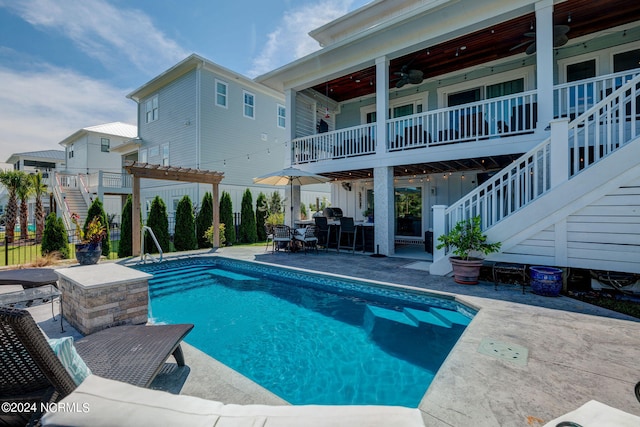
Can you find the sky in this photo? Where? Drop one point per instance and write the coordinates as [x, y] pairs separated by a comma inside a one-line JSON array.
[[69, 64]]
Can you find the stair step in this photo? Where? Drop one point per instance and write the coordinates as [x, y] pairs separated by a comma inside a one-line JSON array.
[[426, 317], [374, 313], [451, 316]]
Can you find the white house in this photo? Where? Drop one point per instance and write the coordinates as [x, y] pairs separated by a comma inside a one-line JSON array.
[[200, 115], [93, 166], [45, 161], [513, 110]]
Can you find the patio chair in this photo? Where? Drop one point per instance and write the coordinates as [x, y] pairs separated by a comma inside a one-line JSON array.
[[347, 227], [308, 239], [323, 231], [281, 237], [30, 372]]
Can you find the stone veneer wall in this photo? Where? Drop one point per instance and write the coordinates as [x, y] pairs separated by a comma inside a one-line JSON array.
[[92, 309]]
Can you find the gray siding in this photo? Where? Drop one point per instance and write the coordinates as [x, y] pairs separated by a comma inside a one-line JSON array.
[[241, 147], [176, 124]]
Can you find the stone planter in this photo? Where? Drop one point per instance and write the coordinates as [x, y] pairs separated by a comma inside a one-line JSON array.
[[88, 253], [466, 272]]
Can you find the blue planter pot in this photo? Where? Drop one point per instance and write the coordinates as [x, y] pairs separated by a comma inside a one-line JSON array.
[[546, 281], [88, 253]]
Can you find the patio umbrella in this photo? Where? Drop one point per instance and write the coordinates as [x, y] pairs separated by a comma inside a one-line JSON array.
[[290, 176]]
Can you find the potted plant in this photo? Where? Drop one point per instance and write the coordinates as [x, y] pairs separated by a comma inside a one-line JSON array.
[[89, 249], [469, 244], [368, 214]]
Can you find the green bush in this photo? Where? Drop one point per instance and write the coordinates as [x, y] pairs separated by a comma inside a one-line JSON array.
[[184, 237], [125, 246], [158, 221], [247, 230], [55, 238], [261, 214], [209, 235], [226, 218], [96, 209], [204, 220]]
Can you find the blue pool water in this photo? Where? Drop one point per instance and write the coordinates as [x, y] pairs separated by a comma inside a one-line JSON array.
[[309, 338]]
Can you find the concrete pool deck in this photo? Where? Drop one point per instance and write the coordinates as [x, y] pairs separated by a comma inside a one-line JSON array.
[[576, 352]]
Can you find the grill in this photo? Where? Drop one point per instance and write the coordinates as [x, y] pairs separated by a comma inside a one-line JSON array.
[[332, 213]]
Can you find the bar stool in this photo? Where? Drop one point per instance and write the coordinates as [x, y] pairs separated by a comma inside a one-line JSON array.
[[348, 227]]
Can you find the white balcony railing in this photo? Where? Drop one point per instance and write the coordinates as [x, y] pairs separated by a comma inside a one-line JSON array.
[[492, 118], [497, 117], [598, 132], [110, 180], [353, 141], [574, 98]]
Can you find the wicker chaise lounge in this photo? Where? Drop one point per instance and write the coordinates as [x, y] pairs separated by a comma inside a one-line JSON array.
[[31, 372]]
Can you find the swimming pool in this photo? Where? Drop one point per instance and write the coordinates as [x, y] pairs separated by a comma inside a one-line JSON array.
[[310, 338]]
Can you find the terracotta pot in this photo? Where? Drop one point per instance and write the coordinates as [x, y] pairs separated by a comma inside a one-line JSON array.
[[88, 253], [466, 272]]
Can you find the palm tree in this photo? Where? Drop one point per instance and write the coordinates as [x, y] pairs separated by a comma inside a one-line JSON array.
[[23, 192], [11, 180], [39, 190]]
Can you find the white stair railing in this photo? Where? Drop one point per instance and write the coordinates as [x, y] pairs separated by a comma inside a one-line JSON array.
[[594, 135]]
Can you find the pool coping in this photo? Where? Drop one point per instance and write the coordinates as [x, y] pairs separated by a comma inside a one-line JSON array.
[[573, 358]]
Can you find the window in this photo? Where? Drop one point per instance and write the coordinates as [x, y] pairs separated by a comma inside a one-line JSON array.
[[626, 61], [104, 145], [282, 114], [71, 152], [581, 70], [464, 97], [143, 156], [505, 88], [221, 94], [165, 155], [151, 108], [249, 104]]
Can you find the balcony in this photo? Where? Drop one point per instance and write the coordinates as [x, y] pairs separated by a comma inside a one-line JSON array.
[[109, 183], [496, 119]]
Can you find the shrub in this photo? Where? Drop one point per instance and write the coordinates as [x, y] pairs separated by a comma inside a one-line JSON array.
[[55, 238], [247, 230], [125, 246], [96, 209], [158, 221], [184, 237], [226, 218], [209, 235], [261, 214], [204, 220]]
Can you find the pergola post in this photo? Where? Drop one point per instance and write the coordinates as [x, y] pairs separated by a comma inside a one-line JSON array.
[[216, 215], [135, 217]]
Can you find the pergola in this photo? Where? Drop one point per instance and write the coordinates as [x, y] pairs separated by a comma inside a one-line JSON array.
[[171, 173]]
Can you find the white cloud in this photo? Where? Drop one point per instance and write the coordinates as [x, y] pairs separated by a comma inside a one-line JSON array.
[[109, 34], [40, 109], [290, 40]]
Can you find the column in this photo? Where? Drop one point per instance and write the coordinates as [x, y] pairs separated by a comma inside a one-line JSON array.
[[384, 210], [544, 61], [135, 219], [215, 198], [382, 105]]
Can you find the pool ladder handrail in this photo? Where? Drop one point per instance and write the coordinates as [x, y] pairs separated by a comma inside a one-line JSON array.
[[143, 256]]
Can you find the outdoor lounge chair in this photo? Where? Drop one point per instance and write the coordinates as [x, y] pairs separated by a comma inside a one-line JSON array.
[[31, 372], [308, 239]]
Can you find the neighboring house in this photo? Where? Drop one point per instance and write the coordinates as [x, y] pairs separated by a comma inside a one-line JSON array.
[[45, 161], [426, 103], [93, 168], [200, 115]]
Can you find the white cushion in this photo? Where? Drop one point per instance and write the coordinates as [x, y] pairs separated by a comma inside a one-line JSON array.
[[110, 403], [597, 414]]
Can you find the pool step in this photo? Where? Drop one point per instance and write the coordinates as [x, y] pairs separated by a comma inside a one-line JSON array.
[[160, 275], [179, 276], [179, 283], [411, 317]]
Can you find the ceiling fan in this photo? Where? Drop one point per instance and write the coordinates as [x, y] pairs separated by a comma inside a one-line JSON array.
[[408, 75], [560, 38]]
